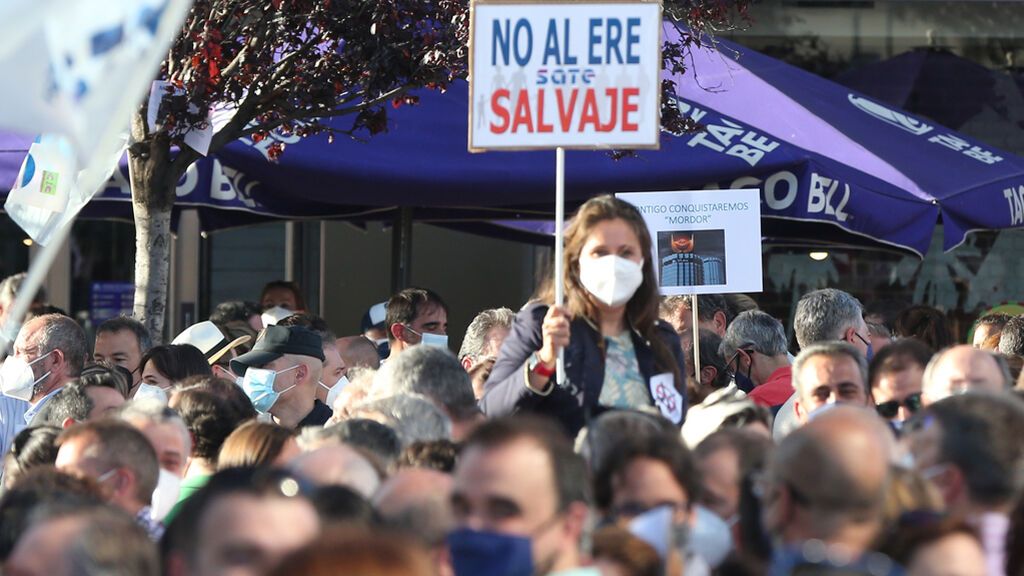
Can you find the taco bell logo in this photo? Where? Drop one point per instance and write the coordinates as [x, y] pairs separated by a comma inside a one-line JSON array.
[[884, 114]]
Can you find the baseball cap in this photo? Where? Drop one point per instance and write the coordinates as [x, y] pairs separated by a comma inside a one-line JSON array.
[[209, 339], [276, 341], [374, 317]]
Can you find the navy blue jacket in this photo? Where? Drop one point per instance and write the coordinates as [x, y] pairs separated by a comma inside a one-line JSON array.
[[505, 391]]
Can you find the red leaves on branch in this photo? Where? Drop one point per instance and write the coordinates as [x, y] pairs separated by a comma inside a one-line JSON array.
[[287, 61], [274, 151]]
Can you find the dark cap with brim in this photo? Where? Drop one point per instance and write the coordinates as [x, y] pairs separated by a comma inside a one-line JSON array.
[[276, 341]]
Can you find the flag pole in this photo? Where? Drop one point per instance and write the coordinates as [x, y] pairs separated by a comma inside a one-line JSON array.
[[695, 329], [559, 249]]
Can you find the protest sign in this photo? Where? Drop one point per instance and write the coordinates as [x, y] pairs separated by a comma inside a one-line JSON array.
[[564, 74], [705, 242]]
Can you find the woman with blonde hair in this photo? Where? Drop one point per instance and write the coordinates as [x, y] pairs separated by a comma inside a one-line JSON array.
[[258, 444], [618, 354]]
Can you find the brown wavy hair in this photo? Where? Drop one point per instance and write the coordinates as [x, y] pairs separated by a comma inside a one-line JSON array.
[[253, 444], [642, 308]]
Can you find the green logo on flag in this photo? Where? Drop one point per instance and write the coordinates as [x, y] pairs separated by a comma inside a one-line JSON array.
[[50, 181]]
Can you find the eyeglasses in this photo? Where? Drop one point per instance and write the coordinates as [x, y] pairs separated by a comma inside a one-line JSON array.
[[734, 359], [891, 408]]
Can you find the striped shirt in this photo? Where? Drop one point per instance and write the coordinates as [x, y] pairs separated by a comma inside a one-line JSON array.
[[12, 421]]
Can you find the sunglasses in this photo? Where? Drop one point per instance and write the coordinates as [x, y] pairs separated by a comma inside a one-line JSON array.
[[889, 409]]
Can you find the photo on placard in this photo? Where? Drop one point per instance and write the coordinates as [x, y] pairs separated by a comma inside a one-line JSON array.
[[691, 257]]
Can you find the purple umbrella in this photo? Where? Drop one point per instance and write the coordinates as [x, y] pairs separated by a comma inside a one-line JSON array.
[[931, 82]]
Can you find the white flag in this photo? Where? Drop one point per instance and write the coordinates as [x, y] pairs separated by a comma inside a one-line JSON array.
[[77, 69]]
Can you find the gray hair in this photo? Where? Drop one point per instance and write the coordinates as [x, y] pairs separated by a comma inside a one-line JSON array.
[[153, 411], [476, 335], [62, 333], [1011, 341], [834, 349], [435, 373], [756, 330], [71, 401], [412, 416], [369, 435], [824, 315]]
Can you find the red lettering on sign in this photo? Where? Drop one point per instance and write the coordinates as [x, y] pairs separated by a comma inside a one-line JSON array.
[[613, 95], [541, 126], [589, 115], [527, 113], [565, 112], [500, 111], [522, 115], [629, 106]]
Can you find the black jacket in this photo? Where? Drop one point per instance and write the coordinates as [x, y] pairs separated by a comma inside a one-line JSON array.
[[506, 391]]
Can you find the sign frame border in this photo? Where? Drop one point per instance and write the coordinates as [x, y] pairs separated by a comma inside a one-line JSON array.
[[469, 47]]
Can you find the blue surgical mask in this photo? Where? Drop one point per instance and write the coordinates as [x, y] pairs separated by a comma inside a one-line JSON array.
[[474, 553], [258, 384], [428, 339]]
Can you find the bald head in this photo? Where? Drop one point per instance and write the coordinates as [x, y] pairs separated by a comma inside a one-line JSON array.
[[962, 368], [358, 351], [830, 477], [338, 465], [410, 487], [418, 501]]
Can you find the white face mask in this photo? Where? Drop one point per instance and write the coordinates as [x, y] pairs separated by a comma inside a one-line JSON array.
[[710, 537], [333, 391], [611, 279], [271, 316], [17, 379], [168, 488], [428, 339], [150, 392]]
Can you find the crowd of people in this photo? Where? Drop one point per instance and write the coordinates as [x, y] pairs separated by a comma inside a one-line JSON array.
[[578, 440]]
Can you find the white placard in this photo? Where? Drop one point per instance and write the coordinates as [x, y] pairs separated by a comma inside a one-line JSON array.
[[570, 74], [705, 242]]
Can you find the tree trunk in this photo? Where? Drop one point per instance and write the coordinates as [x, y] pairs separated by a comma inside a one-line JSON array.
[[152, 264], [153, 193]]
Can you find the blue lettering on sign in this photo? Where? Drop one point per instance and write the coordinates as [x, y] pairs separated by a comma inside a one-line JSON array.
[[521, 58], [614, 36], [551, 44], [499, 39], [609, 33], [593, 40], [502, 38], [632, 40], [565, 76]]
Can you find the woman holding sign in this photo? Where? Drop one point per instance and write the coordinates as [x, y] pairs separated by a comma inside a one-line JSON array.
[[617, 353]]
